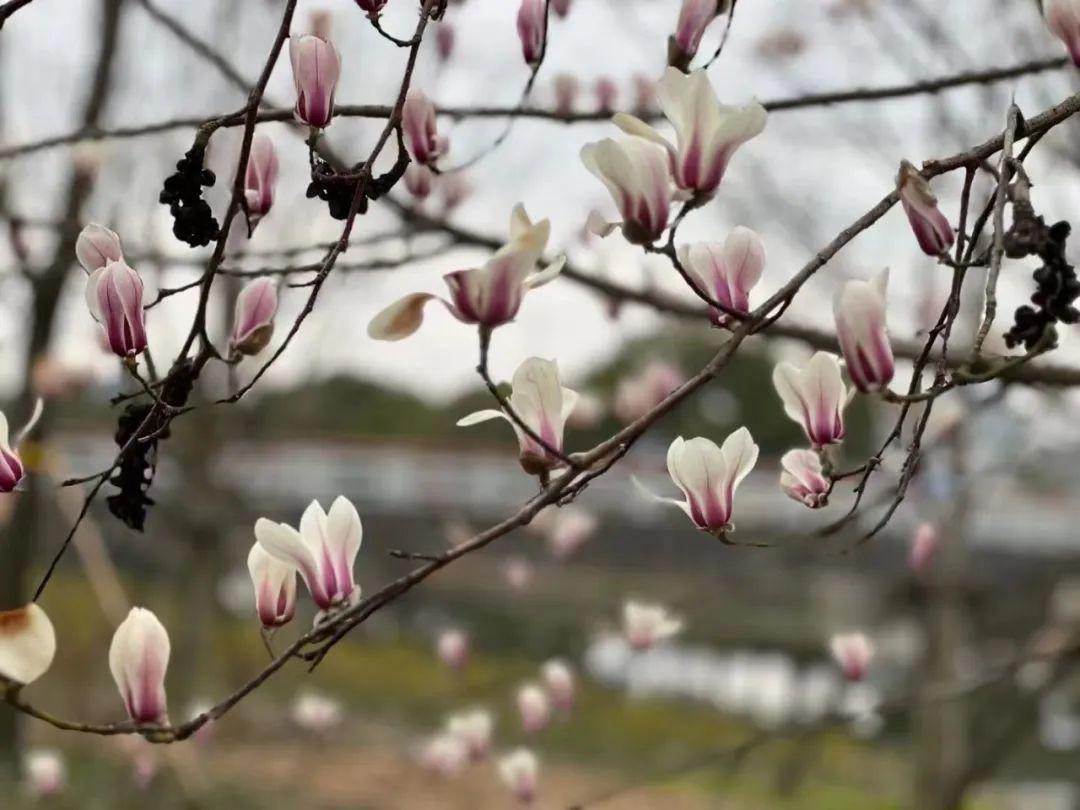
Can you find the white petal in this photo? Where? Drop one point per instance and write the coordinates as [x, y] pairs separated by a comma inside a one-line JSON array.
[[481, 416], [539, 279], [31, 423], [27, 644], [397, 321], [345, 532], [740, 455]]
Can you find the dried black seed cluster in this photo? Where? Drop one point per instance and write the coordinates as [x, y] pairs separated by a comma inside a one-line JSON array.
[[135, 473], [333, 189], [193, 221], [1057, 286]]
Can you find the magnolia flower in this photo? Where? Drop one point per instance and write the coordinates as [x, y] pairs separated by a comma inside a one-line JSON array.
[[1063, 19], [317, 713], [260, 178], [489, 295], [452, 648], [12, 469], [519, 771], [803, 479], [607, 94], [708, 477], [571, 527], [694, 18], [644, 94], [859, 310], [559, 679], [275, 587], [814, 396], [421, 129], [707, 132], [566, 90], [636, 174], [923, 546], [445, 37], [727, 272], [372, 7], [114, 294], [96, 246], [646, 625], [541, 402], [444, 755], [473, 728], [253, 321], [636, 396], [138, 658], [532, 30], [316, 66], [45, 773], [518, 573], [418, 180], [931, 227], [27, 645], [853, 653], [534, 708], [323, 551]]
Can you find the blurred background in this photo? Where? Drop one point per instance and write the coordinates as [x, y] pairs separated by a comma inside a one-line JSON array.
[[742, 711]]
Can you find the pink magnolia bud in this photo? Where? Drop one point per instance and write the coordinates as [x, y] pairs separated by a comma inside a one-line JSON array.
[[728, 272], [253, 321], [644, 94], [566, 91], [803, 479], [260, 178], [853, 653], [372, 7], [452, 648], [445, 39], [114, 294], [932, 229], [814, 396], [559, 679], [275, 587], [421, 130], [45, 773], [97, 246], [323, 551], [534, 708], [637, 176], [138, 658], [561, 8], [519, 771], [473, 728], [707, 132], [316, 66], [540, 400], [694, 18], [27, 644], [532, 30], [1063, 19], [859, 310], [923, 546], [708, 477], [607, 94], [646, 625], [418, 180], [489, 295]]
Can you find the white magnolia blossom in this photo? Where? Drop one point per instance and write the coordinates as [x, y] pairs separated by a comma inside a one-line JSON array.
[[452, 647], [802, 478], [853, 653], [96, 246], [444, 754], [860, 313], [559, 679], [520, 770], [814, 396], [323, 550], [534, 707], [707, 132], [316, 712], [473, 728], [708, 477], [27, 644], [275, 587], [636, 174], [726, 272], [645, 625], [44, 773], [540, 400]]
